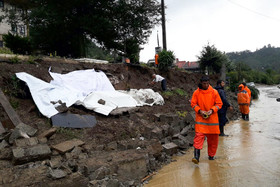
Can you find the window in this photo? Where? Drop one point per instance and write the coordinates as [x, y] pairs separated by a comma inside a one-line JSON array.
[[1, 3], [14, 28], [22, 29], [1, 44]]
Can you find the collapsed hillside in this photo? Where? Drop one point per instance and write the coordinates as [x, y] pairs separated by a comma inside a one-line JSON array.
[[119, 151]]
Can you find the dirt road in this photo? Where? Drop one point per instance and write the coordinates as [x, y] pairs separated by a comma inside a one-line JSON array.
[[250, 156]]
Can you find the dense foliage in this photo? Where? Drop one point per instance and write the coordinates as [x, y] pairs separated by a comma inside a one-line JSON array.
[[265, 58], [68, 28], [212, 59], [165, 59], [17, 44]]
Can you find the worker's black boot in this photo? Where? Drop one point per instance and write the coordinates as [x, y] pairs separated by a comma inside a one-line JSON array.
[[211, 158], [195, 159], [222, 131], [247, 117], [243, 116]]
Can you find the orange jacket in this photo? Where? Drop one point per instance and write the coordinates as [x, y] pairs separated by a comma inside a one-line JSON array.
[[242, 96], [248, 91], [156, 59], [206, 100]]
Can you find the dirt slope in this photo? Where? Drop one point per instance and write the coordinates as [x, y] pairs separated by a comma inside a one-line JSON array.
[[110, 147]]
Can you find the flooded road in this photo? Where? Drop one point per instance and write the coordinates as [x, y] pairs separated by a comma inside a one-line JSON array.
[[250, 156]]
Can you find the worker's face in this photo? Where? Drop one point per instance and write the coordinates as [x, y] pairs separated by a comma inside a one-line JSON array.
[[205, 85], [223, 84]]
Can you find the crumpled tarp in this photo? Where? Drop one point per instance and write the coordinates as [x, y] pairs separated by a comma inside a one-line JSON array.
[[145, 97], [70, 88], [87, 88]]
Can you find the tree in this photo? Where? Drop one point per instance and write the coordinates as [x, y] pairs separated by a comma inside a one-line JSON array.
[[67, 26], [212, 59]]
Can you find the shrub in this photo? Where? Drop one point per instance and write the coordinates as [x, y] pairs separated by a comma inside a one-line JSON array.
[[254, 92], [165, 59], [17, 44]]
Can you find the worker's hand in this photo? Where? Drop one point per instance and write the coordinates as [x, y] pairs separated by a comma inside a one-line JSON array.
[[230, 108], [209, 112]]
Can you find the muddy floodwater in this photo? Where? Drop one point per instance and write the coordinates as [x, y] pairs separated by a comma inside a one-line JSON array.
[[250, 156]]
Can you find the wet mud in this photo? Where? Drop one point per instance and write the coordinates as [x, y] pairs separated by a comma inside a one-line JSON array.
[[250, 156]]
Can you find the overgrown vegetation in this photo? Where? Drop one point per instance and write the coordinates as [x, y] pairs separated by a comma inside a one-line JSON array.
[[262, 59], [165, 59], [5, 50], [17, 44], [68, 132]]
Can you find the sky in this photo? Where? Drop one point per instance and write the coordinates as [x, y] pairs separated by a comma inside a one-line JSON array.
[[229, 25]]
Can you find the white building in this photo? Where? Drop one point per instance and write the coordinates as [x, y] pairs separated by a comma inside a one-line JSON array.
[[5, 27]]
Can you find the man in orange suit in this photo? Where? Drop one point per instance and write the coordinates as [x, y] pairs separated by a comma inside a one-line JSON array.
[[206, 102]]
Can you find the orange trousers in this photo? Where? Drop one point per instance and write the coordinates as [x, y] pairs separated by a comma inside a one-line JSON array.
[[212, 141], [244, 109]]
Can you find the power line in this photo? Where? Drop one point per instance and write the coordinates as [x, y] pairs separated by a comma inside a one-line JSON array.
[[258, 13]]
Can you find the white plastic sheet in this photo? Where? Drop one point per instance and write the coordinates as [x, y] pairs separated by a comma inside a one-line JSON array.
[[84, 87]]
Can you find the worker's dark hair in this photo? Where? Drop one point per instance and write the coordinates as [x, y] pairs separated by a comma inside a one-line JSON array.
[[244, 83], [219, 82], [204, 78]]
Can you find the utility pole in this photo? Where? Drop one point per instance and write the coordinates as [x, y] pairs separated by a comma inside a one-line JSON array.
[[163, 25]]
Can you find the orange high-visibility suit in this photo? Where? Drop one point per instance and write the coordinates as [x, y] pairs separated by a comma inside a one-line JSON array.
[[243, 100], [206, 100], [156, 59], [248, 91]]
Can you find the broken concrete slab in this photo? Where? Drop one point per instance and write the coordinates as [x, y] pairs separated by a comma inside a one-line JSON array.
[[73, 120], [24, 142], [170, 148], [30, 131], [16, 134], [67, 145], [37, 152], [48, 133]]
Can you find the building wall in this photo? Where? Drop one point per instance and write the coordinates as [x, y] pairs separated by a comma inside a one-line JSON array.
[[5, 28]]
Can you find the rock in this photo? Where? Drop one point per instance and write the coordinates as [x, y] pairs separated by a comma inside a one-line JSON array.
[[48, 133], [67, 145], [6, 154], [185, 130], [33, 153], [101, 101], [26, 142], [4, 144], [170, 148], [157, 133], [112, 146], [132, 169], [17, 133], [57, 174], [30, 131], [55, 162], [155, 149], [100, 173]]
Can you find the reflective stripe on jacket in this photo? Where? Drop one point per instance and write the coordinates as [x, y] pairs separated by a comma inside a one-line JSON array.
[[206, 100]]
